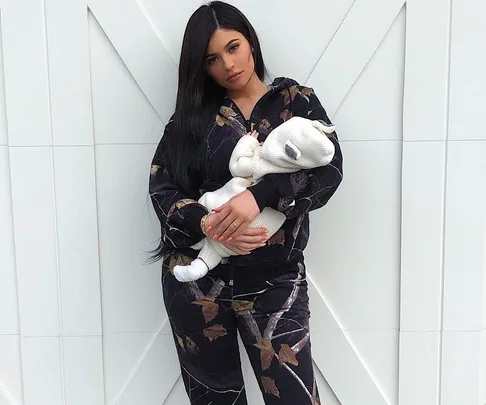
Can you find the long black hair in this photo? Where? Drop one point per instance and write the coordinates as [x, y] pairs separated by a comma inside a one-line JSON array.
[[198, 96]]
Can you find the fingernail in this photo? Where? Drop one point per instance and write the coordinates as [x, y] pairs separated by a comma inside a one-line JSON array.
[[230, 238], [215, 237], [209, 227]]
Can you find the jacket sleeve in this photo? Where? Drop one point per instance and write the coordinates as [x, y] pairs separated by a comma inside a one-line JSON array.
[[306, 190], [179, 215]]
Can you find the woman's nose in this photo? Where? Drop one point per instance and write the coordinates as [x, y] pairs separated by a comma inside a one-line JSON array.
[[228, 63]]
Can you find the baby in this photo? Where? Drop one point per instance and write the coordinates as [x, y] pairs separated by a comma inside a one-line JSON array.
[[298, 143]]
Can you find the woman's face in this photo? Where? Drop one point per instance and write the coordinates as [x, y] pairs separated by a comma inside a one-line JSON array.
[[229, 60]]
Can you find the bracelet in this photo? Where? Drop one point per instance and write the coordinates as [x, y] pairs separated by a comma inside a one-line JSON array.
[[203, 223]]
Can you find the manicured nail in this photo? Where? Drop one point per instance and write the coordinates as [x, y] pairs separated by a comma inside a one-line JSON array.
[[209, 228], [215, 237], [230, 238]]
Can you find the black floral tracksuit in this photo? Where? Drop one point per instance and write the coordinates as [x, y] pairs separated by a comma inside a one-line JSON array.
[[262, 295]]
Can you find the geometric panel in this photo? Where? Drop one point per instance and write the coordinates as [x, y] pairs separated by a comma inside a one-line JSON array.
[[465, 235], [118, 120], [9, 311], [77, 233], [83, 370], [131, 292], [362, 286], [35, 240], [423, 171], [467, 67], [10, 370], [373, 108]]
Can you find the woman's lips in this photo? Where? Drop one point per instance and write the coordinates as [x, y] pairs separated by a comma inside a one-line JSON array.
[[234, 77]]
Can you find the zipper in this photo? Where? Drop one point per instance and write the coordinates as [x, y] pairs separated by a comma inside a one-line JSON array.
[[249, 124]]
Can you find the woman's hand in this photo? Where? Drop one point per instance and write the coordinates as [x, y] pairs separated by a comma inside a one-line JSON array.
[[249, 240], [232, 218]]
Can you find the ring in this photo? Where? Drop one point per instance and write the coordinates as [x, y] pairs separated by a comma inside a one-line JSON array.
[[235, 224]]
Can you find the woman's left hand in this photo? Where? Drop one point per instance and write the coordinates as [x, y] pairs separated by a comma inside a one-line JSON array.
[[231, 218]]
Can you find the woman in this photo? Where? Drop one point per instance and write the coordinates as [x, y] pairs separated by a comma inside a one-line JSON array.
[[261, 292]]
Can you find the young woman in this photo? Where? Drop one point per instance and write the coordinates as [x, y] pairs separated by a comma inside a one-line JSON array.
[[262, 291]]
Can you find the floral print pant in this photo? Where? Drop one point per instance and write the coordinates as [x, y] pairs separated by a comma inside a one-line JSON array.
[[268, 306]]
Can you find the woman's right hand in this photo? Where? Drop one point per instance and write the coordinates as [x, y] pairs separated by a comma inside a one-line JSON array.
[[250, 239]]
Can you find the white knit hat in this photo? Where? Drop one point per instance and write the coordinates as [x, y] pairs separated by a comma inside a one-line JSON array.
[[297, 143]]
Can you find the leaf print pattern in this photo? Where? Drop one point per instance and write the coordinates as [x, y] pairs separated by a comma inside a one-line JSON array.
[[214, 332], [285, 115], [287, 355], [228, 112], [290, 94], [277, 339], [181, 204], [220, 120], [180, 342], [265, 126], [278, 238], [154, 169], [242, 305], [269, 311], [267, 352], [307, 92], [292, 194], [269, 386], [191, 346], [177, 259], [209, 309]]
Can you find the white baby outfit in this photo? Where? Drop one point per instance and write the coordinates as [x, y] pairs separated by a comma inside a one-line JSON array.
[[298, 143]]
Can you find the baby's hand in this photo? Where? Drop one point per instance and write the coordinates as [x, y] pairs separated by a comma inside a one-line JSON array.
[[254, 134]]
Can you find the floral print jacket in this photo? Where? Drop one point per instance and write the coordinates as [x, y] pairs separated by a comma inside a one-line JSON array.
[[294, 194]]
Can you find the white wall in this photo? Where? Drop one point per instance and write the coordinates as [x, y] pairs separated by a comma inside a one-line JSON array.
[[396, 260]]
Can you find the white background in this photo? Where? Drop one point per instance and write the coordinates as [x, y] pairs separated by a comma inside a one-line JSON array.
[[396, 260]]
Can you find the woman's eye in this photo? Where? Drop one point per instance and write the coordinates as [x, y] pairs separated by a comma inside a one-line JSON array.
[[234, 48], [211, 61]]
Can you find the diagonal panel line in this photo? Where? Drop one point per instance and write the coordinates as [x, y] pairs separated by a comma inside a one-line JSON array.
[[141, 50], [139, 362], [149, 20], [327, 46], [357, 374], [352, 47], [316, 365], [5, 397]]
